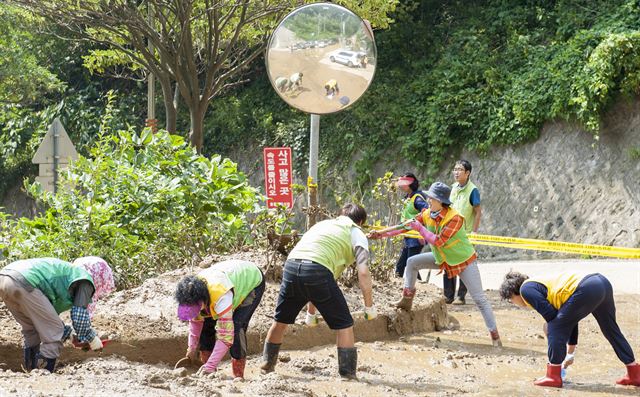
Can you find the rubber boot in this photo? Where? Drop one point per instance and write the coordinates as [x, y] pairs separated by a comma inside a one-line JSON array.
[[406, 301], [46, 363], [30, 357], [269, 357], [347, 362], [204, 355], [237, 366], [495, 338], [632, 378], [553, 377]]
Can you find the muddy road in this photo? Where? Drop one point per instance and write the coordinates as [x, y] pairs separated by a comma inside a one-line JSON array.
[[431, 354]]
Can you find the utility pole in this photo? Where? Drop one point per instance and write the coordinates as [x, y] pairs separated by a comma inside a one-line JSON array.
[[151, 121]]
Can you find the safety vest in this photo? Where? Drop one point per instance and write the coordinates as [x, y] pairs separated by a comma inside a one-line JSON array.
[[460, 201], [241, 276], [409, 211], [53, 277], [327, 243], [559, 287], [457, 249]]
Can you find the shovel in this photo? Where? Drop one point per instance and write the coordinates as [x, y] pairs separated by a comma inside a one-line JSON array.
[[184, 362]]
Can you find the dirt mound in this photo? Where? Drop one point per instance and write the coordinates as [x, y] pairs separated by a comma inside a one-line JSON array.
[[145, 327]]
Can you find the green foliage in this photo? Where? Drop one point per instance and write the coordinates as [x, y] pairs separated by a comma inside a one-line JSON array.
[[24, 76], [146, 203], [456, 75], [386, 213], [81, 112]]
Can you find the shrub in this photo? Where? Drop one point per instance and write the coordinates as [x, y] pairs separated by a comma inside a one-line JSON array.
[[146, 203]]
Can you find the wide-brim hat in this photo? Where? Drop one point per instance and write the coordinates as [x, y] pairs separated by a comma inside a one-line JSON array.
[[439, 191]]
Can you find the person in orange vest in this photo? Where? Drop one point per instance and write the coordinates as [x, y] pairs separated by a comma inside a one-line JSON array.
[[441, 226], [563, 300], [218, 303]]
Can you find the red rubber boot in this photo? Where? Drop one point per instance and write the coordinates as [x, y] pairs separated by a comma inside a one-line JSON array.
[[553, 378], [237, 366], [204, 355], [632, 378]]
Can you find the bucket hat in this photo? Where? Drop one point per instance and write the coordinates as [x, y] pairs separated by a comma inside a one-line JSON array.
[[439, 191]]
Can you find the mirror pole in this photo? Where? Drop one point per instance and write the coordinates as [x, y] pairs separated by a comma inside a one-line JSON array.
[[312, 181]]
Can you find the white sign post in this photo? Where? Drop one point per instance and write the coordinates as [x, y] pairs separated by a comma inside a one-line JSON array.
[[55, 153]]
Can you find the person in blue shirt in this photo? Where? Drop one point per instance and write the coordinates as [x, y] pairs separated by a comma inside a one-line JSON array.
[[414, 203], [465, 198]]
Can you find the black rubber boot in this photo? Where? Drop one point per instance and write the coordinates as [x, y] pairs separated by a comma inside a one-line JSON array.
[[46, 363], [30, 357], [347, 362], [269, 357]]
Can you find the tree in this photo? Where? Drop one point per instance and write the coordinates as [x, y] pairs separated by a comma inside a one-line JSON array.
[[203, 46], [22, 76]]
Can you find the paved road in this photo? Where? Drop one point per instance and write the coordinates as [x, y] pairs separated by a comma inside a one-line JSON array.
[[623, 274]]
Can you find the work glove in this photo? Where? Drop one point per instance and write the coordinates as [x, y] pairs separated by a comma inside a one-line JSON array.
[[568, 360], [204, 371], [370, 313], [192, 355], [311, 319], [95, 344]]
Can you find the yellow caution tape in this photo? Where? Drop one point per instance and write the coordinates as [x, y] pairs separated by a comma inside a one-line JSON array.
[[546, 245], [310, 182]]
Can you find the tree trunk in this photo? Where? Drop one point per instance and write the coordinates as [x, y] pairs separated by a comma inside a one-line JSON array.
[[171, 112], [196, 135]]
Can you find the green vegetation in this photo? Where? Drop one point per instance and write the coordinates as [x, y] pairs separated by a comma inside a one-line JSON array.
[[145, 203], [450, 75], [455, 74]]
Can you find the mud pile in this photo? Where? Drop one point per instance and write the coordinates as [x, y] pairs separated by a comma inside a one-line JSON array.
[[144, 325]]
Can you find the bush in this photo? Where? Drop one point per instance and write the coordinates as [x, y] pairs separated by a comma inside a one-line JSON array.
[[146, 203]]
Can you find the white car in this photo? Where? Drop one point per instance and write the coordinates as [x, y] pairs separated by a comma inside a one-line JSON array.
[[345, 57]]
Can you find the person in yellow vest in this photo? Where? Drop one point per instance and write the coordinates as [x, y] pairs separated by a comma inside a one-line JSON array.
[[331, 88], [563, 300], [414, 203], [465, 198], [442, 227], [310, 274], [218, 303]]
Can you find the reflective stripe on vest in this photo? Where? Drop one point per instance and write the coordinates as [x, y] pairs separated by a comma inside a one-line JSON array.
[[559, 287], [53, 277], [460, 201], [241, 276], [457, 249], [327, 243]]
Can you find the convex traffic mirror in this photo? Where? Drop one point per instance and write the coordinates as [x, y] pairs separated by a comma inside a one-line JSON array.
[[321, 58]]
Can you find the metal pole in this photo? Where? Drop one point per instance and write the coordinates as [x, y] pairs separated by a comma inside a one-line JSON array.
[[312, 182], [151, 88], [56, 156]]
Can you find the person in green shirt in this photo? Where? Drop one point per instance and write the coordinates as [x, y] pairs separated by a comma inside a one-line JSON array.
[[36, 291], [465, 198], [310, 275]]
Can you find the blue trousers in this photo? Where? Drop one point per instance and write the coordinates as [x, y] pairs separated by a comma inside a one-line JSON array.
[[407, 252], [594, 295]]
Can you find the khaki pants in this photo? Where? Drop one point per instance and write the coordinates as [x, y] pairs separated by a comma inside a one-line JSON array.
[[33, 311]]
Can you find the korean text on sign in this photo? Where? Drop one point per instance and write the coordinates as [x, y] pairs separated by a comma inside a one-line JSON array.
[[278, 176]]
